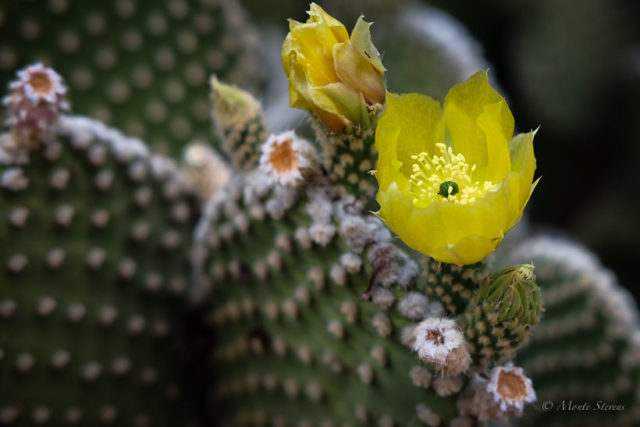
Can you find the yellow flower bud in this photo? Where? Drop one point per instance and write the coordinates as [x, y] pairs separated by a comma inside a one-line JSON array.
[[337, 77], [452, 181]]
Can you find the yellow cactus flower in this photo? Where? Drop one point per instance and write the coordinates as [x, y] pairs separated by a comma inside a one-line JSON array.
[[337, 77], [452, 181]]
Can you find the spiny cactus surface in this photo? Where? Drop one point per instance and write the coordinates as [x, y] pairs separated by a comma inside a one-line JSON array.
[[142, 66], [94, 238], [584, 357]]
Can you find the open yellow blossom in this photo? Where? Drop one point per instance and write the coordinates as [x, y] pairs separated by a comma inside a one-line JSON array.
[[452, 181], [337, 77]]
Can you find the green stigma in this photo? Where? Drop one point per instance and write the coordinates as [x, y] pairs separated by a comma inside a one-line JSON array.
[[448, 188]]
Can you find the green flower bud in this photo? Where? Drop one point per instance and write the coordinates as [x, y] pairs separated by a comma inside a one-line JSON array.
[[498, 319], [239, 123], [514, 295]]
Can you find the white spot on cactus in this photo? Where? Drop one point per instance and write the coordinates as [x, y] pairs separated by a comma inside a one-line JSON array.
[[136, 325], [446, 385], [336, 328], [291, 388], [24, 362], [91, 371], [108, 414], [303, 237], [271, 310], [420, 376], [41, 415], [160, 329], [7, 308], [382, 324], [73, 416], [60, 359], [127, 269], [322, 233], [305, 355], [317, 277], [59, 179], [361, 412], [56, 257], [382, 297], [18, 216], [351, 262], [426, 414], [349, 310], [379, 353], [45, 306], [279, 345], [76, 312], [387, 421], [338, 275], [107, 315], [120, 366], [414, 306], [302, 294], [365, 372], [314, 391], [96, 257], [290, 308], [142, 196], [148, 376], [14, 179], [105, 58]]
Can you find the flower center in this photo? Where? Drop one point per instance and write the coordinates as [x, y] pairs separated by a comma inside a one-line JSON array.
[[40, 82], [435, 336], [511, 386], [444, 176], [448, 188], [283, 158]]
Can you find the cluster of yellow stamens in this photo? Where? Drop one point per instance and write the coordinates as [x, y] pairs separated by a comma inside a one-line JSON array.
[[444, 176]]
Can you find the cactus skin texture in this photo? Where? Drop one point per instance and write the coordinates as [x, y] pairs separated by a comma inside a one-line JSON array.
[[316, 311], [586, 349], [140, 66], [314, 306], [294, 341], [94, 234]]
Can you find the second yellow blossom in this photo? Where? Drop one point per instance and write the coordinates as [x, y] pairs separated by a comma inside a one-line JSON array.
[[337, 77]]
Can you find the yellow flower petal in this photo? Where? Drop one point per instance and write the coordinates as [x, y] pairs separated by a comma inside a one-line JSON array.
[[313, 44], [523, 162], [317, 14], [355, 70], [340, 99], [463, 106], [497, 124], [361, 39], [418, 120]]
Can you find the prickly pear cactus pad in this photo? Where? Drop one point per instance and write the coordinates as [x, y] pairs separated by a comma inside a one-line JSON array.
[[94, 238], [586, 351], [142, 66], [352, 276]]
